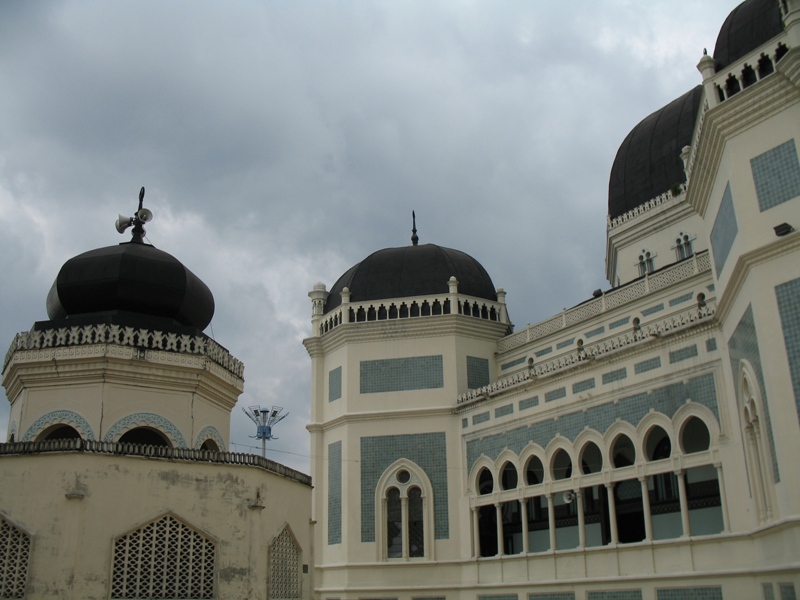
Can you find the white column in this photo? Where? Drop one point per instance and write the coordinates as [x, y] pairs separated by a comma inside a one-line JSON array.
[[404, 524], [612, 513], [581, 519], [551, 521], [687, 530], [523, 505], [723, 499], [476, 536], [648, 518], [499, 512]]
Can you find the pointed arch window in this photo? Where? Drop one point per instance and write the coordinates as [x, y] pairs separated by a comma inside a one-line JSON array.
[[759, 471], [15, 549], [284, 566], [646, 264], [683, 246], [405, 514]]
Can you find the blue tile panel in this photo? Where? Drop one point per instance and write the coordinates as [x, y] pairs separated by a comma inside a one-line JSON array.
[[616, 595], [693, 593], [335, 384], [595, 331], [787, 591], [500, 597], [631, 409], [402, 374], [681, 299], [480, 418], [335, 493], [724, 231], [788, 295], [711, 287], [613, 376], [653, 309], [769, 593], [555, 394], [428, 451], [582, 386], [619, 323], [553, 596], [513, 363], [683, 354], [744, 345], [528, 403], [464, 423], [544, 351], [565, 343], [711, 345], [503, 411], [647, 365], [429, 598], [477, 372], [776, 174]]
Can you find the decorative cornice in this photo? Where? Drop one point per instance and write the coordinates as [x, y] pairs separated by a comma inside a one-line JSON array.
[[746, 262], [579, 358], [666, 198], [138, 339], [364, 417]]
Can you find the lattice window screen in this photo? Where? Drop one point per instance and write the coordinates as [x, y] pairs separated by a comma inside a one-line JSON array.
[[163, 559], [284, 567], [15, 547]]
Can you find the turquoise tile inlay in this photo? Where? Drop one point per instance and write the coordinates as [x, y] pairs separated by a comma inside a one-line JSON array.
[[555, 394], [582, 386], [711, 287], [552, 596], [595, 331], [653, 309], [480, 418], [711, 345], [477, 372], [787, 591], [544, 351], [619, 322], [616, 595], [744, 345], [499, 597], [631, 409], [776, 174], [565, 343], [683, 354], [788, 295], [402, 374], [464, 423], [428, 450], [335, 493], [681, 299], [513, 363], [529, 403], [502, 411], [693, 593], [647, 365], [335, 384], [769, 592], [724, 231], [613, 376]]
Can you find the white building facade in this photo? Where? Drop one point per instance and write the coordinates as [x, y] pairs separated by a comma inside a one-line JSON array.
[[641, 445]]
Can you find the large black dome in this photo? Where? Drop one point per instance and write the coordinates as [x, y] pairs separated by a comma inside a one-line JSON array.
[[134, 278], [747, 27], [648, 162], [412, 271]]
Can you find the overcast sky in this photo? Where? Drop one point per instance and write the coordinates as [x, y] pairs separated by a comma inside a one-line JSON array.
[[282, 142]]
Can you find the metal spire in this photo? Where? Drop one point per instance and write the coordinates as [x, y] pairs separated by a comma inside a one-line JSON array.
[[414, 236]]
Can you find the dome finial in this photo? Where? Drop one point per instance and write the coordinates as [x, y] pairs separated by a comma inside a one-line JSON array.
[[140, 217], [414, 236]]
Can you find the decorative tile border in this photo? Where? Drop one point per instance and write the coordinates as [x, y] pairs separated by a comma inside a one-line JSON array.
[[144, 419], [210, 433], [66, 417]]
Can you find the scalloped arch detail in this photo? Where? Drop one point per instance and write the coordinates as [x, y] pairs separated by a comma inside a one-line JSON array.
[[151, 419], [67, 417], [209, 432]]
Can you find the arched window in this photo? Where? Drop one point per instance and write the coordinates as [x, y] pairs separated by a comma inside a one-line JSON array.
[[591, 459], [623, 452], [561, 465], [657, 444], [145, 436], [534, 471], [15, 549], [759, 468], [405, 526], [485, 482], [695, 436], [210, 445], [284, 566], [509, 477], [646, 264], [59, 432], [683, 246]]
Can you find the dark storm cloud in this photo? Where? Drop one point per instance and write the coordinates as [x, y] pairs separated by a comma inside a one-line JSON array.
[[280, 143]]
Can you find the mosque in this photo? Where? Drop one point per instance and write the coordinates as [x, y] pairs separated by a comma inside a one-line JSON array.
[[641, 445]]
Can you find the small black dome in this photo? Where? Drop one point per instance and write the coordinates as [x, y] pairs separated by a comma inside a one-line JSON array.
[[648, 162], [751, 24], [131, 277], [412, 271]]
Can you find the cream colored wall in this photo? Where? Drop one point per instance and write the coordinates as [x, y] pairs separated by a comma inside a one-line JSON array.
[[72, 538]]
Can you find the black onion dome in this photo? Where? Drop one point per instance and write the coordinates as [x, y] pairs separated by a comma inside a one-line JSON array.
[[751, 24], [648, 162], [412, 271], [131, 277]]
